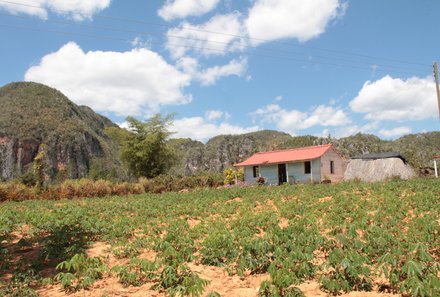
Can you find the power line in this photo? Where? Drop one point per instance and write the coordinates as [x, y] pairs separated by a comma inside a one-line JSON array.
[[198, 48], [224, 34], [266, 49], [221, 51]]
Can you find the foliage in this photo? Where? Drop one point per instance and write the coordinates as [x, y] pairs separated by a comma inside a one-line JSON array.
[[342, 235], [232, 176], [180, 281], [39, 167], [20, 286], [348, 272], [268, 290], [218, 248], [83, 188], [28, 179], [136, 273], [52, 119], [101, 169], [80, 272], [143, 147]]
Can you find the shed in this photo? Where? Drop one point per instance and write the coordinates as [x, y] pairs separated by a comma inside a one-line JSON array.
[[378, 167], [306, 164]]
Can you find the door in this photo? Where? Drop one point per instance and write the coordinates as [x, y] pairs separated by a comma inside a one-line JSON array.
[[282, 174]]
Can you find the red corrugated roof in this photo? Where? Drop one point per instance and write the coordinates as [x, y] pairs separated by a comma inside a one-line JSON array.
[[291, 155]]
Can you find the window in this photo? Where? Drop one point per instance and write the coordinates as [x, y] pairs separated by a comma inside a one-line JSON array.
[[256, 171], [332, 167], [307, 167]]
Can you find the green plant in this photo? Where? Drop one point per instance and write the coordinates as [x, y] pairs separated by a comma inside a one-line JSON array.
[[143, 147], [80, 272], [181, 281], [268, 290], [39, 167], [29, 179], [348, 272], [218, 248], [136, 273], [20, 285], [232, 176]]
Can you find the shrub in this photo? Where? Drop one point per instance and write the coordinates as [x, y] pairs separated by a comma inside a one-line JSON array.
[[232, 175], [80, 272]]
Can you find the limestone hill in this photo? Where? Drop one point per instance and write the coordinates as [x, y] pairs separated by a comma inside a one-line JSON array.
[[34, 116]]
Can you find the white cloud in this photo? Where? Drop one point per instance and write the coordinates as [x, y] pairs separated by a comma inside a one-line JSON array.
[[139, 42], [205, 38], [212, 74], [178, 9], [202, 129], [276, 19], [396, 99], [209, 76], [135, 82], [212, 115], [391, 133], [348, 130], [75, 9], [293, 120]]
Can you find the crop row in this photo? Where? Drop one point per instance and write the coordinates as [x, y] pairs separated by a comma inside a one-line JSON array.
[[348, 236]]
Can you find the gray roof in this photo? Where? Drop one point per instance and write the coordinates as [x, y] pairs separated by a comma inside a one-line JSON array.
[[376, 156]]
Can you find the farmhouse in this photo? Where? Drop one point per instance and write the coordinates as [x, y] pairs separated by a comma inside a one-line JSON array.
[[307, 164], [377, 167]]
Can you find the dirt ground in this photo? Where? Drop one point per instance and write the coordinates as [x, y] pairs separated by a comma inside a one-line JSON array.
[[220, 282]]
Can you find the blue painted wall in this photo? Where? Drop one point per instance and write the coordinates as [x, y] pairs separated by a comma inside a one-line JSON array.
[[297, 175], [295, 172]]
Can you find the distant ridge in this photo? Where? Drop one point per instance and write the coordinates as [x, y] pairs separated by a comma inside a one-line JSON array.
[[34, 116]]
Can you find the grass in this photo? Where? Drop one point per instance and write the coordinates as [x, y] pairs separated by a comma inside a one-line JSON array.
[[347, 236]]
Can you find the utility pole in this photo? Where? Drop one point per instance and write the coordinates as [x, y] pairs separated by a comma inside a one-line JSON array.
[[436, 85]]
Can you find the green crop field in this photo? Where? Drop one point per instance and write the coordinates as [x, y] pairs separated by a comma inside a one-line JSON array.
[[380, 237]]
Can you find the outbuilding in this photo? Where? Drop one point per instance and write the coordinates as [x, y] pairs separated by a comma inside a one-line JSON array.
[[378, 167], [298, 165]]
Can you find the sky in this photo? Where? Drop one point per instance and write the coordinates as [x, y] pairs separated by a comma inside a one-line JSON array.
[[315, 67]]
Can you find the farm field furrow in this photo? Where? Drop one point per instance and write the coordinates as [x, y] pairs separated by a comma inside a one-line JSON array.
[[350, 239]]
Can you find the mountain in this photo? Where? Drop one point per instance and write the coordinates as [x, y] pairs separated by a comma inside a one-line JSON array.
[[35, 117], [222, 151]]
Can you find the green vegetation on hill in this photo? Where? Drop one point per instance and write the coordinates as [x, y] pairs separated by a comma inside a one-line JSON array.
[[222, 151], [34, 115]]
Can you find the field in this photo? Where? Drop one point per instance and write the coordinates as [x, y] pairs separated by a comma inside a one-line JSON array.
[[354, 239]]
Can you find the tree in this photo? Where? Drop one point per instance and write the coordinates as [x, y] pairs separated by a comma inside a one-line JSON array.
[[39, 167], [144, 148]]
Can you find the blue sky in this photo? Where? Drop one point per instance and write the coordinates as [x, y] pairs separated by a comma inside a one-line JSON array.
[[316, 67]]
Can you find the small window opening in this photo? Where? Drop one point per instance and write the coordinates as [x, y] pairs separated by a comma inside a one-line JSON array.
[[332, 167], [256, 171], [307, 167]]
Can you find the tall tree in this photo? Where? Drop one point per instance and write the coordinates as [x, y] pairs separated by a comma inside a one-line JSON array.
[[144, 148]]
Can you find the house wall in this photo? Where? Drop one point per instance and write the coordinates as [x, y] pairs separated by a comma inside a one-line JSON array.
[[297, 175], [249, 175], [339, 162], [270, 174]]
